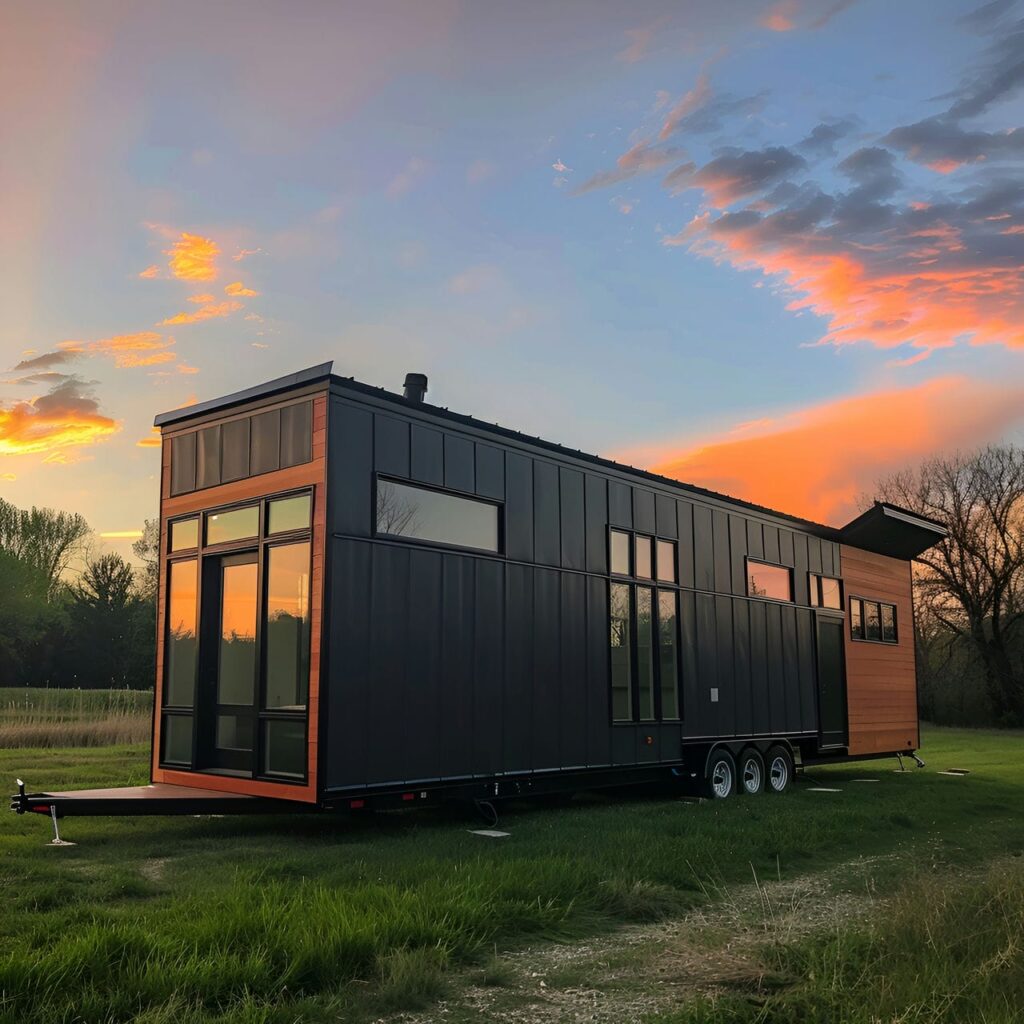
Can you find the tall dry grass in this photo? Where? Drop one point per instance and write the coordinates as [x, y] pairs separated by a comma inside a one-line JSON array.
[[45, 717]]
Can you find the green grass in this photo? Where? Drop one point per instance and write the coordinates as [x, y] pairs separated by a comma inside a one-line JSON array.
[[54, 717], [321, 918]]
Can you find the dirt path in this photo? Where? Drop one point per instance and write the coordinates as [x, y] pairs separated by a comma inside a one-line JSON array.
[[645, 969]]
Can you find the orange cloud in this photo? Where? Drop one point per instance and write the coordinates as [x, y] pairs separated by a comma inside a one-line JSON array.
[[185, 368], [204, 313], [150, 272], [243, 253], [66, 417], [192, 258], [202, 298], [145, 348], [780, 17], [8, 476], [151, 440], [239, 289], [778, 461], [121, 535]]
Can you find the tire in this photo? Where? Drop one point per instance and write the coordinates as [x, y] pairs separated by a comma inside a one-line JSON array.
[[779, 775], [751, 774], [720, 782]]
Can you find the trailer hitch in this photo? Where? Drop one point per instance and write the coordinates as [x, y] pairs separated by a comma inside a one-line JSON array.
[[19, 803]]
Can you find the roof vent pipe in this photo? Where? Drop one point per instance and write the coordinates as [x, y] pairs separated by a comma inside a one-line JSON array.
[[415, 386]]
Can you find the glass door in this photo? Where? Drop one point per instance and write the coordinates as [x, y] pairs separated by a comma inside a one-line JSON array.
[[234, 710]]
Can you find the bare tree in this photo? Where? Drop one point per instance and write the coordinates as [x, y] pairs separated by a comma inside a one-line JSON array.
[[147, 550], [43, 538], [972, 583], [395, 514]]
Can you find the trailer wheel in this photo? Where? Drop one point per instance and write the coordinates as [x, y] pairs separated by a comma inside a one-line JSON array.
[[751, 774], [721, 777], [780, 769]]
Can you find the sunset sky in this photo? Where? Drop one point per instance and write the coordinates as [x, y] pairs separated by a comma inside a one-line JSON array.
[[712, 238]]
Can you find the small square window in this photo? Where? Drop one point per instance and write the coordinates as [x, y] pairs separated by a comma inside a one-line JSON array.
[[184, 534], [620, 553], [643, 557], [774, 581], [831, 593], [289, 514], [666, 561]]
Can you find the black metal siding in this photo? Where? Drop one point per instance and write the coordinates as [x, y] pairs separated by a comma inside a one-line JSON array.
[[446, 664]]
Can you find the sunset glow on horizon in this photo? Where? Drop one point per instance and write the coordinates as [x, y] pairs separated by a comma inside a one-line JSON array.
[[701, 241]]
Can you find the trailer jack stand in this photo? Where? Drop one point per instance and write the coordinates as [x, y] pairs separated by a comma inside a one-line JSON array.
[[917, 760], [57, 841], [487, 811], [899, 757]]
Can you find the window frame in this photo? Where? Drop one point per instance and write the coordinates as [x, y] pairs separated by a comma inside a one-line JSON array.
[[748, 560], [815, 591], [864, 638], [451, 492]]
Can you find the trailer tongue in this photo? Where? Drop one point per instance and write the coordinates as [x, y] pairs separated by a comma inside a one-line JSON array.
[[156, 798]]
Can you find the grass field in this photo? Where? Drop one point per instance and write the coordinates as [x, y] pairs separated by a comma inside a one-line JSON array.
[[895, 901], [53, 717]]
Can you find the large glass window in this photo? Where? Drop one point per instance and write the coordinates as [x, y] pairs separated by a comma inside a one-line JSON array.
[[184, 534], [180, 681], [643, 559], [668, 626], [284, 747], [237, 662], [177, 739], [622, 668], [237, 524], [287, 627], [666, 561], [774, 581], [288, 514], [620, 553], [645, 651], [404, 510]]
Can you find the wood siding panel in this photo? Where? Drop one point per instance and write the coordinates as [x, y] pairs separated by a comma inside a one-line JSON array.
[[881, 687]]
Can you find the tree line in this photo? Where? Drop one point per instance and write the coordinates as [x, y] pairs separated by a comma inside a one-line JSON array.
[[96, 627], [69, 617]]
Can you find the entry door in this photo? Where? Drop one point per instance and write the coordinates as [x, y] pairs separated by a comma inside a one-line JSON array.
[[831, 682], [234, 705]]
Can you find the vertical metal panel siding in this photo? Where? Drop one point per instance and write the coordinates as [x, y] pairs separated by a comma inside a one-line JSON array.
[[391, 446], [422, 732], [573, 526], [786, 552], [814, 554], [488, 666], [596, 501], [183, 463], [235, 449], [705, 719], [351, 470], [620, 504], [726, 706], [755, 539], [490, 471], [296, 434], [598, 705], [685, 552], [800, 591], [776, 670], [546, 681], [457, 690], [546, 542], [771, 543], [720, 540], [791, 670], [703, 551], [807, 659], [745, 724], [738, 553], [691, 682], [266, 442], [760, 691], [665, 516], [643, 511], [459, 464], [208, 457], [572, 651], [427, 455], [519, 507], [517, 699]]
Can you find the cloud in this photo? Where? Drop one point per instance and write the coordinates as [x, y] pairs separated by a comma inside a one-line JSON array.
[[821, 142], [202, 298], [46, 360], [151, 440], [66, 416], [237, 288], [776, 461], [144, 348], [204, 313], [475, 279], [245, 253], [8, 476], [150, 271], [945, 145], [479, 171], [407, 178], [780, 17], [640, 40], [186, 369], [644, 156], [735, 175], [560, 167], [121, 534], [193, 258], [46, 377]]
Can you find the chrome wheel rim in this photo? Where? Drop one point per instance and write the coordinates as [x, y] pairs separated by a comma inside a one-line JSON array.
[[779, 774], [721, 779], [752, 775]]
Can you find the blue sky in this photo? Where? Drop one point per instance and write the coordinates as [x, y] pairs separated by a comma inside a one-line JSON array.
[[482, 192]]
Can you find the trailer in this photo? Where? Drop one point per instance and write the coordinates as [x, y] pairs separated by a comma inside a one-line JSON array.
[[366, 599]]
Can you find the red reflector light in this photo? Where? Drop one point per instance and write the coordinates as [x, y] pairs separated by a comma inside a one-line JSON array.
[[408, 796], [356, 804], [40, 808]]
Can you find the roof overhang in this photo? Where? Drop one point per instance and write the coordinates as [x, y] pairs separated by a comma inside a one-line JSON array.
[[271, 387], [889, 530]]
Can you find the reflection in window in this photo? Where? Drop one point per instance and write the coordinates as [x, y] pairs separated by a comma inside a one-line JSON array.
[[643, 560], [620, 552], [404, 510], [889, 623], [287, 627], [180, 681], [666, 561], [177, 739], [235, 682], [830, 593], [289, 514], [668, 618], [234, 732], [857, 619], [645, 651], [184, 534], [872, 621], [238, 524], [284, 747], [622, 674], [774, 581]]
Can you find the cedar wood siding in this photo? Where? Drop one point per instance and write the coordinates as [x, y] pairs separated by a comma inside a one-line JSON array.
[[313, 474], [881, 681]]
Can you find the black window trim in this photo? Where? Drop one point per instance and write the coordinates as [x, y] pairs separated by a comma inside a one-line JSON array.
[[814, 584], [863, 620]]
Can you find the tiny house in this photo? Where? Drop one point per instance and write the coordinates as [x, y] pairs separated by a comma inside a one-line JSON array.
[[365, 597]]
